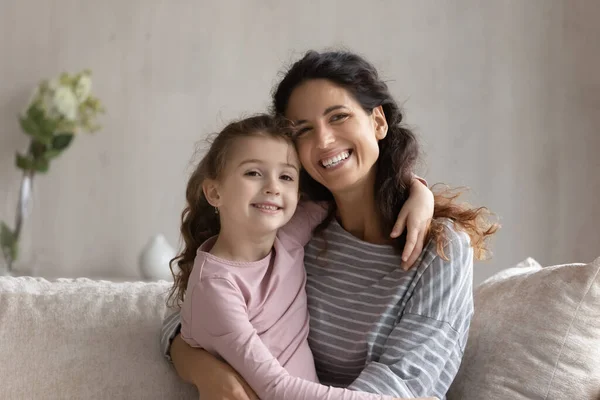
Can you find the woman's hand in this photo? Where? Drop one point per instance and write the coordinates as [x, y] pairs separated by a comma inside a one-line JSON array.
[[214, 379], [415, 216]]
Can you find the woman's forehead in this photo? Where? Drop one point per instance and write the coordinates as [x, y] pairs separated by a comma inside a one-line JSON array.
[[316, 97]]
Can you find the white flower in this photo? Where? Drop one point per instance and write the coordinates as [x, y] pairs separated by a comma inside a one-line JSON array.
[[47, 99], [65, 102], [83, 88]]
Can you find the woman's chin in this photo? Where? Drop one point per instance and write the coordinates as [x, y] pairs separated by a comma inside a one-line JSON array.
[[348, 181]]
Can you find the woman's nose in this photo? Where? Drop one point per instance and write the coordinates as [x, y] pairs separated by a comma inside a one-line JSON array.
[[325, 137]]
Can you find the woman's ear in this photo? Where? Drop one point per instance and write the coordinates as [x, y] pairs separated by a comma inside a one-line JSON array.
[[210, 188], [381, 125]]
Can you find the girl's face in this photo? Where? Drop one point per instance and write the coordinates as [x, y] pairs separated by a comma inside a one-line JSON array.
[[257, 191], [337, 140]]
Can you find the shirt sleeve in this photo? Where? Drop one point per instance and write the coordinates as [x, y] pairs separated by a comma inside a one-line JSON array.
[[423, 352], [307, 217], [171, 326], [233, 337]]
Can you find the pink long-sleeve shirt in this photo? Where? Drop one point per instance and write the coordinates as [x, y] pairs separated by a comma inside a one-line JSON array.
[[254, 315]]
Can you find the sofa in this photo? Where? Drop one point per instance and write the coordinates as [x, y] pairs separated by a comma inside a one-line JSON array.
[[535, 335]]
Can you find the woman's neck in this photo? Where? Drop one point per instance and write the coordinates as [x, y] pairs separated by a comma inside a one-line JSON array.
[[357, 213], [236, 245]]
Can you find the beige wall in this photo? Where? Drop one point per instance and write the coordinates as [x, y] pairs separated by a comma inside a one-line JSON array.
[[505, 96]]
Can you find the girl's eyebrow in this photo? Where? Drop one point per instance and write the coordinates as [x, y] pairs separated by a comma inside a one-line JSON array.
[[257, 161], [327, 111]]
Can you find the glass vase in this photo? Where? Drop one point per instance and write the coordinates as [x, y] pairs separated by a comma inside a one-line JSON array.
[[24, 264]]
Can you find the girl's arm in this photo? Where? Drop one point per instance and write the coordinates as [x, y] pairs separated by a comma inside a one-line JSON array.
[[307, 217], [415, 216], [233, 337]]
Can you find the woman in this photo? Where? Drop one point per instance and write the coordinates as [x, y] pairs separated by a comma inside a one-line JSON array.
[[374, 327]]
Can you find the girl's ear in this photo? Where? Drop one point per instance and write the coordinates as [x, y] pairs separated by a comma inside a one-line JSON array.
[[380, 122], [210, 188]]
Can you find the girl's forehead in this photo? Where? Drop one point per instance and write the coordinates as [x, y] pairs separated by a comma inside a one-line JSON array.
[[264, 148]]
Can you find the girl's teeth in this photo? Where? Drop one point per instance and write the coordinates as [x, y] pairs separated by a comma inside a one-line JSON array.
[[330, 162], [272, 208]]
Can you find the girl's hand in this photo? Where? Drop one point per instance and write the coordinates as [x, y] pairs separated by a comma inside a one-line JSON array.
[[415, 216]]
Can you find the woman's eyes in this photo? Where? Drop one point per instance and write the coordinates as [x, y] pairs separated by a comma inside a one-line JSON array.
[[334, 118], [339, 117], [302, 131]]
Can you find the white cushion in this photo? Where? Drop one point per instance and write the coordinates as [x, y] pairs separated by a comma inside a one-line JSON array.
[[84, 339], [535, 335]]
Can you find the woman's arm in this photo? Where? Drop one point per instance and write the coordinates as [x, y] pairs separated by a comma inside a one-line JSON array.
[[213, 378], [422, 354], [232, 336], [415, 216]]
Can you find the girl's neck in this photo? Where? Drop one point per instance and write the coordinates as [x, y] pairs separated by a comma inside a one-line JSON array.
[[239, 246], [357, 212]]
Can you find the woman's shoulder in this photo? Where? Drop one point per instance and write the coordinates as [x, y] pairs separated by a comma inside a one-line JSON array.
[[449, 234], [449, 247]]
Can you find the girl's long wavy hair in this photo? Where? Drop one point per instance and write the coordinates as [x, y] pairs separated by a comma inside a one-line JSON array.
[[398, 151], [199, 221]]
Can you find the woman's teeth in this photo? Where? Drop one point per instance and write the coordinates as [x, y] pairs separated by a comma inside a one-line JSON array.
[[333, 161]]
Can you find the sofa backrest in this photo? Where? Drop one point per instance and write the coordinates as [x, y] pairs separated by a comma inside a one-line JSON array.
[[84, 339]]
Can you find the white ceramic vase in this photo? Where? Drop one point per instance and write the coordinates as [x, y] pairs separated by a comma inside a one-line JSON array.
[[154, 259]]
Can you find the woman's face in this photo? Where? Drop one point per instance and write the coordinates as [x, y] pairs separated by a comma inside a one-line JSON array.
[[337, 140]]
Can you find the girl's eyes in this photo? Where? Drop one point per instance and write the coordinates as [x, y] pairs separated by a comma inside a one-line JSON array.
[[285, 177]]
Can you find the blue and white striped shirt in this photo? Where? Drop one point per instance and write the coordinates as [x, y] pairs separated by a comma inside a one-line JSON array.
[[377, 328]]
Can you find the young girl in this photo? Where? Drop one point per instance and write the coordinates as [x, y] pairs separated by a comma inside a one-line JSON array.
[[244, 298]]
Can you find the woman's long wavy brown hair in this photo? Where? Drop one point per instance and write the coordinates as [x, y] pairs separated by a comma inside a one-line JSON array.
[[199, 221], [398, 151]]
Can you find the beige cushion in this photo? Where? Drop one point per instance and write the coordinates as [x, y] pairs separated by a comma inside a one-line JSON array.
[[535, 335], [84, 339]]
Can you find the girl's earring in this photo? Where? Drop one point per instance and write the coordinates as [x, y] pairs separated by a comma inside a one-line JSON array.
[[216, 210]]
